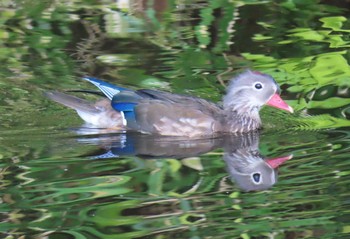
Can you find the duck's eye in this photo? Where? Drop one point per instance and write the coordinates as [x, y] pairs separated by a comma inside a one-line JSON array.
[[256, 177], [258, 86]]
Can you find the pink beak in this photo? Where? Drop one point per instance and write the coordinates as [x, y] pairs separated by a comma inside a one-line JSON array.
[[277, 102], [275, 162]]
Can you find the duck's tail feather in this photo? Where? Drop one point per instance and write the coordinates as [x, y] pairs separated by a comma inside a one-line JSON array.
[[72, 102]]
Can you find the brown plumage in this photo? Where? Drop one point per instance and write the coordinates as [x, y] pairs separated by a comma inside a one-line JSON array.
[[158, 112]]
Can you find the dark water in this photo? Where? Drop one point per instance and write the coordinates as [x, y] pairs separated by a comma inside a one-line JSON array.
[[61, 180]]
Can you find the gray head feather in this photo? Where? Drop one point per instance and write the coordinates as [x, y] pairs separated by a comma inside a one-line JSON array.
[[249, 91]]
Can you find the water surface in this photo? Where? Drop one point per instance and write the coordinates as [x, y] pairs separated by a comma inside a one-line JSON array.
[[62, 180]]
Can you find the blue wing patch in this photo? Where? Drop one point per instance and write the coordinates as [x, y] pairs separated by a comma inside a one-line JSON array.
[[130, 118], [108, 89], [126, 102], [122, 99], [123, 106], [128, 112]]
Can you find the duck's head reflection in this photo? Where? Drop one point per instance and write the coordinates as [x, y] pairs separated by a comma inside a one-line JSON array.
[[245, 165]]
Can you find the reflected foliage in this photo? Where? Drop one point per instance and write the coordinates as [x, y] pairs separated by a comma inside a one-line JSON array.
[[51, 186]]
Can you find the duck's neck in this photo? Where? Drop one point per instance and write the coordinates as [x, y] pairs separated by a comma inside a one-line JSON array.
[[242, 118]]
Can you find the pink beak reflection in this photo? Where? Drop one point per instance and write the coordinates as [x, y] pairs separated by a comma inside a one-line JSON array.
[[275, 162], [277, 102]]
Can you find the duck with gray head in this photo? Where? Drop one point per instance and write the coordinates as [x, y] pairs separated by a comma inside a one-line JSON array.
[[164, 113]]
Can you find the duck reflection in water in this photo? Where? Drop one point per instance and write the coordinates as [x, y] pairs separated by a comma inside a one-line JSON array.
[[245, 165]]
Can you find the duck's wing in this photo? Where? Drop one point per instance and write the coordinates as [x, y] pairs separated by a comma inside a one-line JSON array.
[[124, 99], [108, 89], [166, 118], [165, 113], [185, 100]]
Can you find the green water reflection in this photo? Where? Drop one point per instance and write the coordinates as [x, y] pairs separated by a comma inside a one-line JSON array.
[[51, 184]]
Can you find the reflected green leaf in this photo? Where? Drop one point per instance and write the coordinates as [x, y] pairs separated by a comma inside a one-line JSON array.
[[51, 187], [333, 102], [335, 23]]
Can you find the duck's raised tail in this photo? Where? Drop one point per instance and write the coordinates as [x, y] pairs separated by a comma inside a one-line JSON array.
[[72, 102]]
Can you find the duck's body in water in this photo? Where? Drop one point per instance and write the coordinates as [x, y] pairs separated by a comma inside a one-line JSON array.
[[164, 113]]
